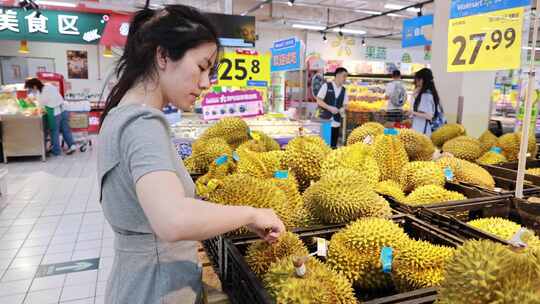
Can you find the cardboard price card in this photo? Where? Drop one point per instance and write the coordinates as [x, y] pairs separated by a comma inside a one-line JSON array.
[[244, 70], [486, 42]]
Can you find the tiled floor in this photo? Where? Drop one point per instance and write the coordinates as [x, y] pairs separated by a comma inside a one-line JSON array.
[[53, 216]]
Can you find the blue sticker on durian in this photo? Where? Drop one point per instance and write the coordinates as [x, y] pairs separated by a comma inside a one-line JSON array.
[[448, 174], [496, 150], [390, 131], [221, 160], [281, 174], [386, 259], [235, 156]]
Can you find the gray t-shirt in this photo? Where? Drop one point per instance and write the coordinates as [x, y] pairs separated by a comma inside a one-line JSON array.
[[135, 140], [426, 105]]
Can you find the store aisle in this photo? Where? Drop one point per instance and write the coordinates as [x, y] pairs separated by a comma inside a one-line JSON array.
[[53, 217]]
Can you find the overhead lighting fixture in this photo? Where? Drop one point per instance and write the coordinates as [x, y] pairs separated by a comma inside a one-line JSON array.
[[396, 15], [363, 42], [309, 27], [290, 3], [324, 39], [392, 6], [368, 12], [349, 31], [23, 47], [55, 3]]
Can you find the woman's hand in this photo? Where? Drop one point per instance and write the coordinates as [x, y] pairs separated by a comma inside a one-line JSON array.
[[266, 224]]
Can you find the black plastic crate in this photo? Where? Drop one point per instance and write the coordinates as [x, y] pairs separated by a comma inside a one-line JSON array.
[[472, 194], [214, 250], [195, 176], [244, 287], [509, 171], [453, 218], [507, 187]]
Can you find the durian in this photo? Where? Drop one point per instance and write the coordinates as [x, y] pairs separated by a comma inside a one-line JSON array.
[[391, 189], [491, 158], [358, 157], [533, 171], [447, 132], [390, 155], [418, 146], [432, 194], [359, 134], [355, 251], [260, 255], [342, 196], [509, 143], [505, 229], [320, 284], [269, 143], [304, 156], [233, 130], [419, 264], [421, 173], [204, 152], [467, 172], [218, 169], [463, 147], [245, 190], [298, 209], [487, 140], [482, 271]]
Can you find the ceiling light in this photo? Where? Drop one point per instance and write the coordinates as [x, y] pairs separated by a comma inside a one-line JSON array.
[[309, 27], [290, 3], [325, 40], [368, 12], [396, 15], [54, 3], [23, 47], [392, 6], [349, 31]]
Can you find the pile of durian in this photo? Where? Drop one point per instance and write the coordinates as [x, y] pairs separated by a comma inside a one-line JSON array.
[[488, 149], [353, 262]]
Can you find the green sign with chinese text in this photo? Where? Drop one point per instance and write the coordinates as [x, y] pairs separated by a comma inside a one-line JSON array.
[[51, 26]]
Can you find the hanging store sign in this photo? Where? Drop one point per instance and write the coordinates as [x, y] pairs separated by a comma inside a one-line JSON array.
[[464, 8], [244, 69], [51, 26], [247, 103], [417, 31], [486, 41], [286, 55], [117, 30]]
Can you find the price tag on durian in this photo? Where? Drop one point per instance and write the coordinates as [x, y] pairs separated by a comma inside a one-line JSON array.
[[485, 35], [235, 156], [386, 259], [221, 160], [322, 247], [496, 150], [281, 174], [448, 174]]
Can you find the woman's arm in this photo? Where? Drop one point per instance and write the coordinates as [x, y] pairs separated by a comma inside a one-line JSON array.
[[426, 116], [175, 217]]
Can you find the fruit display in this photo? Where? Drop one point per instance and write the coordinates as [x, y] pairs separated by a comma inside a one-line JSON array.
[[505, 229], [446, 133], [487, 272], [367, 98], [367, 131], [464, 147]]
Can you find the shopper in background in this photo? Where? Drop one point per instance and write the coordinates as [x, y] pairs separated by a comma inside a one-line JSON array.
[[49, 96], [396, 95], [426, 102], [147, 194], [332, 100]]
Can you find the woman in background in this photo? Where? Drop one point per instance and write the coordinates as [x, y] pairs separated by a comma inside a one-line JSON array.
[[147, 194], [426, 102]]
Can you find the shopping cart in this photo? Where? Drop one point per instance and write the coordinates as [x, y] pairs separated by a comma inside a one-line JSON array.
[[79, 114]]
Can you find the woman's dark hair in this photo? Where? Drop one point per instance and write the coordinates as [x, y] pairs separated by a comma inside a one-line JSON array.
[[428, 86], [33, 82], [175, 29]]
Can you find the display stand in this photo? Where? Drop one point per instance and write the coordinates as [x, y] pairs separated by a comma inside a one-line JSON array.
[[528, 109], [23, 136]]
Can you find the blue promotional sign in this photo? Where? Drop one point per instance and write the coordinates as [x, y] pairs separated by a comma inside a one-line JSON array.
[[464, 8], [413, 33], [286, 55]]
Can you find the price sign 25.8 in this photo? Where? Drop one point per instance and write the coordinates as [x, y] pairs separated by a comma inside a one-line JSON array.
[[242, 70], [485, 42]]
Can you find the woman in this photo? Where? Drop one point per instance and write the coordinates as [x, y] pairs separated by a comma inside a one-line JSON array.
[[146, 193], [426, 102], [49, 96]]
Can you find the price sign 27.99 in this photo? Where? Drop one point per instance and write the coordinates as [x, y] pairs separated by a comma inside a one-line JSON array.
[[244, 70], [486, 42]]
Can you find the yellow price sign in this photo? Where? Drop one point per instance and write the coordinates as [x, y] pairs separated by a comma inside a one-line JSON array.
[[486, 42], [244, 70]]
